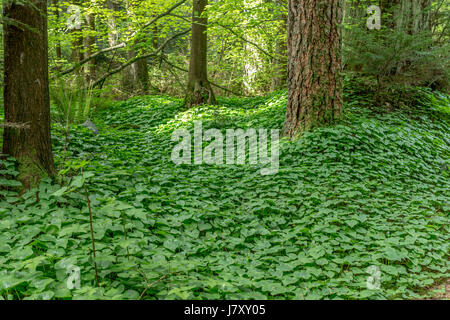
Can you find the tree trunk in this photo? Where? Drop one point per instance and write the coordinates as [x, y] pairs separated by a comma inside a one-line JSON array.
[[314, 64], [142, 76], [90, 71], [280, 59], [413, 16], [199, 89], [354, 13], [135, 76], [58, 45], [77, 38], [389, 12], [112, 25], [129, 74], [155, 42], [26, 92]]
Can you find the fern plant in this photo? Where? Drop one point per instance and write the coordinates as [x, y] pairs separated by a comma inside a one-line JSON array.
[[71, 104]]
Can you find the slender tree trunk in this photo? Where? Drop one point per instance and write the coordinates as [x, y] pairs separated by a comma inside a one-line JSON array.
[[58, 45], [155, 42], [26, 92], [77, 39], [413, 16], [142, 76], [314, 64], [199, 89], [112, 25], [354, 14], [129, 74], [389, 11], [135, 77], [90, 48], [280, 60]]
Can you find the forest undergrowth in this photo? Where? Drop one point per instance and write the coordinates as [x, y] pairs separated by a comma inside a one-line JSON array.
[[371, 191]]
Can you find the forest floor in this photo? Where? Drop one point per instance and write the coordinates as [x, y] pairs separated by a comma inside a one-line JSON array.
[[441, 292], [358, 210]]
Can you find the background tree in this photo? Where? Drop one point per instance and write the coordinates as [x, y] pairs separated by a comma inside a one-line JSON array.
[[135, 77], [314, 64], [26, 90], [75, 26], [406, 51], [280, 55], [58, 42], [90, 47], [199, 89]]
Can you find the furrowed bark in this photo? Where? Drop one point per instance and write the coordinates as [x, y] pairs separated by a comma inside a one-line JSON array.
[[26, 92], [314, 64]]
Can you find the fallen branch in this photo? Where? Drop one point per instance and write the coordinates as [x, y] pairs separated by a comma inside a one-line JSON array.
[[151, 285]]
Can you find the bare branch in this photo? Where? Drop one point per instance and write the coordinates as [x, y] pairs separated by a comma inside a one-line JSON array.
[[212, 83], [84, 61], [124, 43], [137, 58]]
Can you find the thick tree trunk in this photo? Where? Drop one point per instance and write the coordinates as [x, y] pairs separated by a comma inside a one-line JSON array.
[[26, 93], [314, 64], [199, 89]]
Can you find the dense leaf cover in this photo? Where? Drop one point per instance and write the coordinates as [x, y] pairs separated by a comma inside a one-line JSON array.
[[372, 189]]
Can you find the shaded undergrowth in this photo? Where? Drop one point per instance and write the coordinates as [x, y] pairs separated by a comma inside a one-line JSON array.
[[371, 190]]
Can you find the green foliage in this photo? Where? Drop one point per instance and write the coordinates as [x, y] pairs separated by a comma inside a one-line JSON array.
[[2, 118], [72, 105], [403, 52], [370, 190], [395, 57], [245, 39]]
